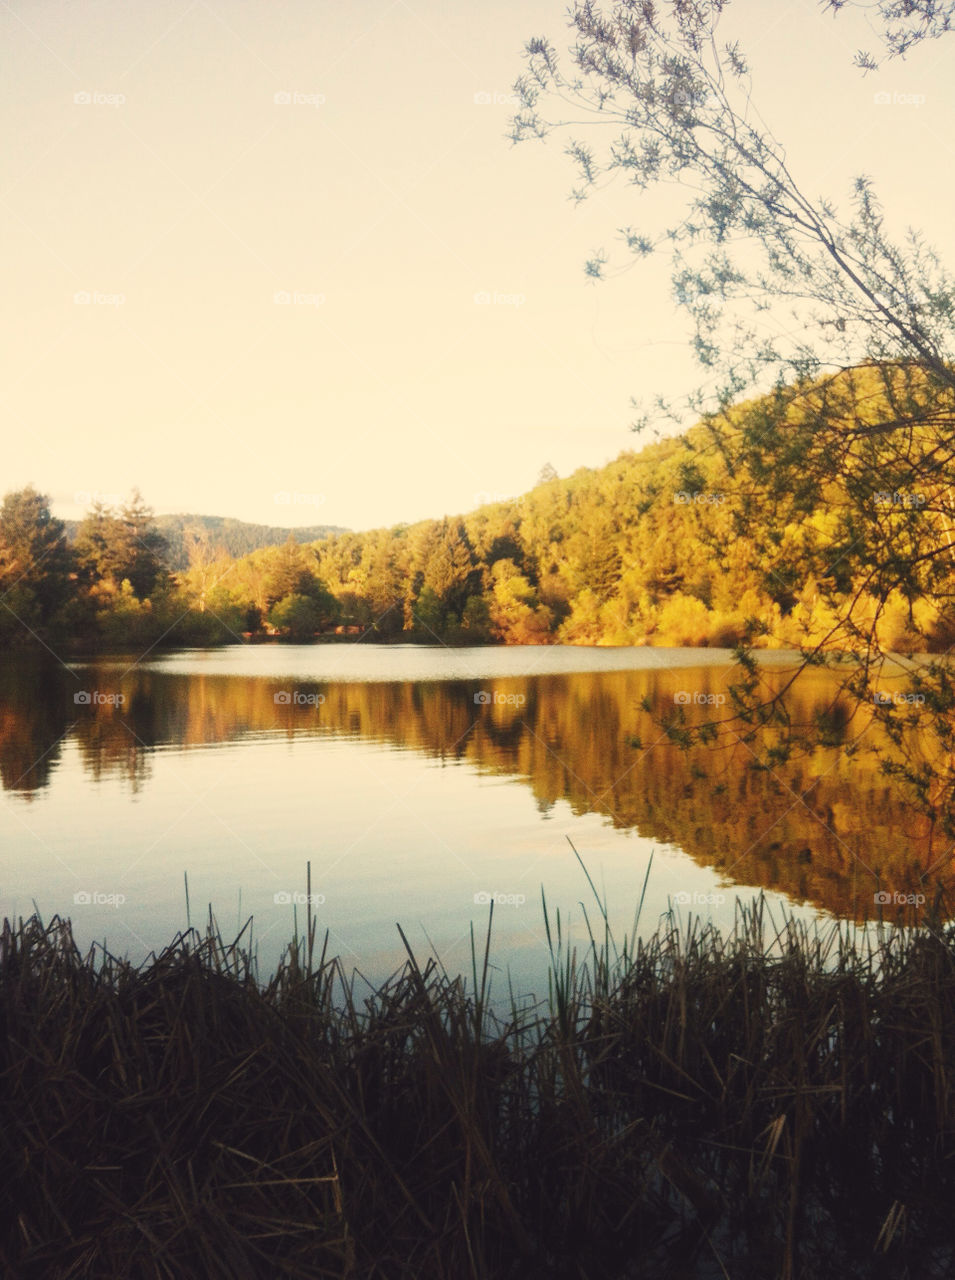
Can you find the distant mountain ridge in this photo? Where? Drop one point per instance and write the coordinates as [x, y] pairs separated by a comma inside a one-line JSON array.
[[236, 537]]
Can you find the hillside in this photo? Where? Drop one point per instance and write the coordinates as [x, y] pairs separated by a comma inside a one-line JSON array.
[[708, 538], [702, 539], [234, 537]]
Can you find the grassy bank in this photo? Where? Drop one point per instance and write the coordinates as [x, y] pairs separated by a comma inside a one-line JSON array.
[[775, 1102]]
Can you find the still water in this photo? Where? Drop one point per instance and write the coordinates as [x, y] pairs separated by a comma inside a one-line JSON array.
[[417, 782]]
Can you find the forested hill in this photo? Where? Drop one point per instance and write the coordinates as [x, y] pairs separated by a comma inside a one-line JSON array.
[[235, 537], [702, 539], [690, 541], [638, 551]]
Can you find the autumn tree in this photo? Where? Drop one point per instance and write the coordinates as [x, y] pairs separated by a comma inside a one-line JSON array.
[[447, 576], [113, 546], [516, 614], [847, 330], [35, 564], [381, 563], [207, 563], [300, 616], [289, 572]]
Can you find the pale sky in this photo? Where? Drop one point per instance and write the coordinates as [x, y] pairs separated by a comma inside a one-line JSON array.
[[381, 199]]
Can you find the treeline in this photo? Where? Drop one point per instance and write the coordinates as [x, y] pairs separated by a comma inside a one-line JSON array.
[[610, 556], [694, 540], [672, 545], [113, 583]]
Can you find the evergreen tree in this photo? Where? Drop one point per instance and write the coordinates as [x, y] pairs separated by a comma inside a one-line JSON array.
[[116, 546], [35, 562]]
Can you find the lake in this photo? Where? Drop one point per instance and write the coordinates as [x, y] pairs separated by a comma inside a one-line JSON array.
[[418, 782]]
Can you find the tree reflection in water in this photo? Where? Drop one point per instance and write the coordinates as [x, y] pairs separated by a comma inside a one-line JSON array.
[[829, 828]]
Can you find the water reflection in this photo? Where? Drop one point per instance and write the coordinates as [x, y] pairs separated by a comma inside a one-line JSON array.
[[828, 830]]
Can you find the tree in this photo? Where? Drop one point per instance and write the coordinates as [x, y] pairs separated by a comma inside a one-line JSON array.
[[516, 615], [905, 23], [429, 613], [35, 562], [753, 247], [206, 562], [849, 329], [289, 572], [593, 557], [299, 617], [289, 569], [113, 546], [448, 574], [383, 580]]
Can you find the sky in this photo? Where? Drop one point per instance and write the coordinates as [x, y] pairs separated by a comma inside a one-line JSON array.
[[280, 262]]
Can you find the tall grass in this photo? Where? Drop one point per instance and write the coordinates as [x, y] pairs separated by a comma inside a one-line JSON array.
[[775, 1100]]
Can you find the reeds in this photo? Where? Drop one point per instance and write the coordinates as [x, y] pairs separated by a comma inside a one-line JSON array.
[[775, 1101]]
